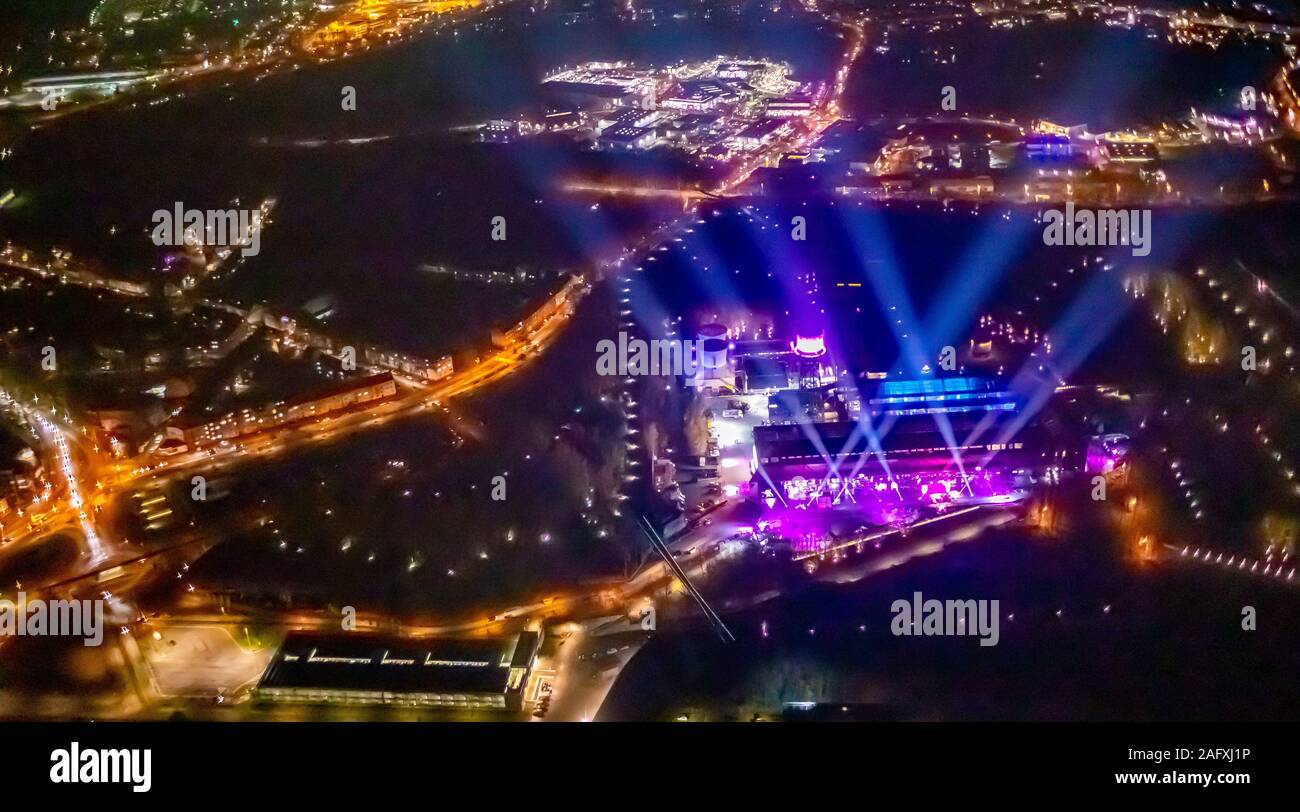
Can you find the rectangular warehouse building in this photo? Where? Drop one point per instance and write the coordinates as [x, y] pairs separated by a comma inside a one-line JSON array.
[[368, 669]]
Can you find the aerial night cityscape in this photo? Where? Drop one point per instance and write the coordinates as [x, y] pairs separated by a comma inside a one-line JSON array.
[[881, 362]]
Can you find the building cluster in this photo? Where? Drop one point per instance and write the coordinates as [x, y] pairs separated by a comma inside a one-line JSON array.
[[558, 305], [984, 159], [716, 109], [103, 58], [821, 441], [372, 21], [60, 265], [188, 431], [184, 435], [295, 334], [730, 363], [1183, 25]]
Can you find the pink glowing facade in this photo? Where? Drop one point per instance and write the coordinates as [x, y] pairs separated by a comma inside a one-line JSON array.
[[948, 445]]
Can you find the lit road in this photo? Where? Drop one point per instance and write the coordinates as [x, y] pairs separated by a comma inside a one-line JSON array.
[[63, 459], [68, 505]]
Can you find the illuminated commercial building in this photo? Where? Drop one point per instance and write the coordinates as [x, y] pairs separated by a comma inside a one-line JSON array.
[[1129, 151], [739, 70], [634, 117], [367, 669], [1063, 130], [498, 132], [1047, 145], [791, 107], [698, 96], [626, 137], [692, 125], [760, 133]]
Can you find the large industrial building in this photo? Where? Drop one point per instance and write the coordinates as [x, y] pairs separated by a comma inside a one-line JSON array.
[[367, 669], [921, 442], [761, 365]]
